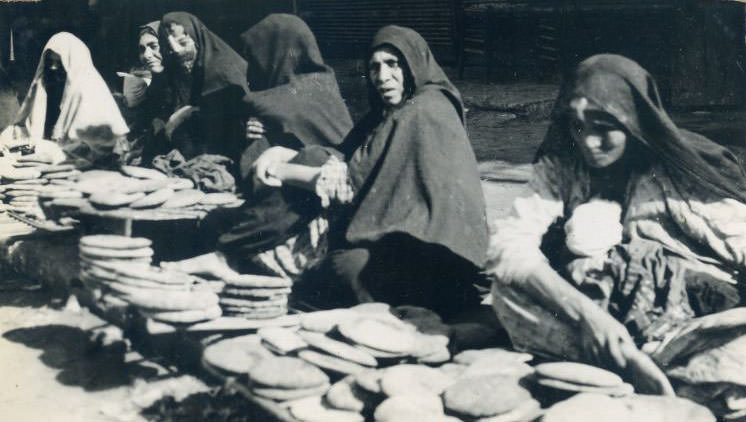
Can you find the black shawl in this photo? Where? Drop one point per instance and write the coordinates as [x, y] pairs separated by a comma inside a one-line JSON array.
[[626, 91], [412, 167]]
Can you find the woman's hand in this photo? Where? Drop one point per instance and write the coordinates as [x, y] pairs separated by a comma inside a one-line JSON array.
[[264, 166], [604, 338], [254, 129]]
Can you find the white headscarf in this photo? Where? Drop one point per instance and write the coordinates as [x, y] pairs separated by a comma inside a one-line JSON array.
[[86, 100]]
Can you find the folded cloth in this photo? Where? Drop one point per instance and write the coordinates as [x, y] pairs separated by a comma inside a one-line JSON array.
[[209, 172]]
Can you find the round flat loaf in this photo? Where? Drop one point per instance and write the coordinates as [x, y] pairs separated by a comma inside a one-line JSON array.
[[266, 313], [113, 199], [379, 354], [236, 355], [589, 407], [152, 273], [331, 363], [106, 264], [21, 174], [180, 183], [185, 317], [312, 409], [218, 198], [410, 408], [287, 373], [54, 194], [528, 411], [253, 304], [142, 173], [72, 174], [31, 182], [378, 334], [56, 168], [401, 380], [616, 391], [33, 158], [21, 193], [171, 300], [346, 395], [325, 321], [488, 395], [279, 394], [112, 241], [282, 340], [258, 281], [184, 198], [153, 199], [96, 252], [58, 182], [484, 367], [578, 373], [337, 348], [131, 185]]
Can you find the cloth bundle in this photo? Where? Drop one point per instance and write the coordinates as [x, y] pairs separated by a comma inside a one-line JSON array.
[[209, 172]]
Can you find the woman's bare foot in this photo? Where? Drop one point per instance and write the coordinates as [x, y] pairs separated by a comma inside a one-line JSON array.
[[211, 264]]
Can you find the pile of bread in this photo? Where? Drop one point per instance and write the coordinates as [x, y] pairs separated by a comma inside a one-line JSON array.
[[255, 296], [28, 181], [118, 270], [138, 188], [361, 364]]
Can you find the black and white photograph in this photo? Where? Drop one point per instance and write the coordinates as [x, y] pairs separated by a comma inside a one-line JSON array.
[[372, 210]]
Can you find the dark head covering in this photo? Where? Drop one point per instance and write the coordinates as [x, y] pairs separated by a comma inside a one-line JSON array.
[[624, 90], [293, 91], [218, 65], [412, 167], [149, 28]]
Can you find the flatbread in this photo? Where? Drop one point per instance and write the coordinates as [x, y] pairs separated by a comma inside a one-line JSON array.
[[528, 411], [578, 373], [370, 380], [110, 199], [325, 321], [245, 313], [287, 373], [378, 334], [97, 252], [142, 173], [183, 198], [56, 168], [488, 395], [253, 304], [495, 354], [180, 183], [218, 198], [258, 281], [153, 199], [236, 355], [331, 363], [63, 175], [112, 241], [54, 194], [312, 409], [337, 348], [278, 394], [256, 293], [282, 340], [21, 174], [172, 300], [616, 391], [409, 408], [345, 394], [409, 379]]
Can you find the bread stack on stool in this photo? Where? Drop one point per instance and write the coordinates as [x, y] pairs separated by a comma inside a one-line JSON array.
[[255, 296]]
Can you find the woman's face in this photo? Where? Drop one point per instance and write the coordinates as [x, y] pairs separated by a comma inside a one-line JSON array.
[[54, 72], [387, 74], [182, 46], [600, 138], [150, 52]]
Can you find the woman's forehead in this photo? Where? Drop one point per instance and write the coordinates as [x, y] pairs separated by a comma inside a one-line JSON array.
[[384, 53]]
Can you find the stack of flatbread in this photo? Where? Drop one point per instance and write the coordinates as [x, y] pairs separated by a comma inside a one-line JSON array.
[[286, 378], [120, 266], [28, 179], [255, 296], [573, 377]]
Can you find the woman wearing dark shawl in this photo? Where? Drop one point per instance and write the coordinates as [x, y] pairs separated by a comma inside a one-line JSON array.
[[206, 82], [653, 220], [294, 103], [414, 230]]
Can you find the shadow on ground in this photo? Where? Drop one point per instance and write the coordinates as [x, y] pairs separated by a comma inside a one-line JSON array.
[[79, 361]]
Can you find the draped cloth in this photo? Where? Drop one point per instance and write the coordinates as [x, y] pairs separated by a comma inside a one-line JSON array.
[[412, 167], [294, 93], [87, 108], [216, 86]]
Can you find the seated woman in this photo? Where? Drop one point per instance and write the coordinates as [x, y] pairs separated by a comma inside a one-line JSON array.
[[653, 233], [295, 102], [205, 79], [69, 103], [410, 224]]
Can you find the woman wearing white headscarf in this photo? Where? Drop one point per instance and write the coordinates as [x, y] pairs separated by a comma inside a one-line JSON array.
[[70, 104]]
